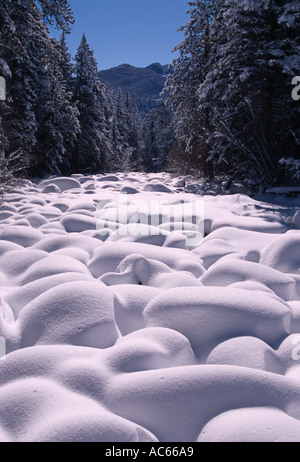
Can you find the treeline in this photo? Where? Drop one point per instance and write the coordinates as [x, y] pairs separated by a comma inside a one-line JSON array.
[[231, 91], [58, 118], [227, 109]]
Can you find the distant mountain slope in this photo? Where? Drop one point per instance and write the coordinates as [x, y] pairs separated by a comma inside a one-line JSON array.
[[143, 84]]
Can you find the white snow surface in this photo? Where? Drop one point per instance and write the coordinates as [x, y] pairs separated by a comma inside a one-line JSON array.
[[117, 331]]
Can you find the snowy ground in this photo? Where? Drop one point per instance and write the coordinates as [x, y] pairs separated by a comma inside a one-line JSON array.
[[123, 332]]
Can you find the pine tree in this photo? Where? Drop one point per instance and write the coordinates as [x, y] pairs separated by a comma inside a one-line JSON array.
[[24, 41], [191, 121], [231, 89], [115, 138], [92, 147], [57, 13], [65, 63], [5, 74], [134, 132], [21, 37], [59, 124], [248, 87], [159, 138], [121, 148], [3, 144]]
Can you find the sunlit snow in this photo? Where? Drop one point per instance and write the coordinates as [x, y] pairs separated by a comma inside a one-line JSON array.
[[134, 309]]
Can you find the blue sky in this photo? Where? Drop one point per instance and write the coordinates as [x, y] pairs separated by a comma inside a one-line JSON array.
[[136, 32]]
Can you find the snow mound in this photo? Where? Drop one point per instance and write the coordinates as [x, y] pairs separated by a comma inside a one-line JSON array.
[[63, 184], [152, 348], [76, 223], [22, 235], [283, 254], [129, 304], [157, 187], [53, 265], [228, 271], [76, 313], [205, 316], [260, 424]]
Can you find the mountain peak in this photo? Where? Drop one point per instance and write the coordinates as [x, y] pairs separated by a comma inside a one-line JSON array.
[[143, 84], [156, 67], [123, 66]]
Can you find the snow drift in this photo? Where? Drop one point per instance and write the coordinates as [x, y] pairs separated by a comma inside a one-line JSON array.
[[152, 326]]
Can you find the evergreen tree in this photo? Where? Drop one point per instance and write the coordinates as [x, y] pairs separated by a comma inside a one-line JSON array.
[[57, 13], [5, 74], [120, 145], [231, 90], [248, 86], [191, 120], [134, 132], [116, 146], [159, 138], [92, 147], [3, 144], [65, 63], [59, 124], [22, 38], [24, 42]]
